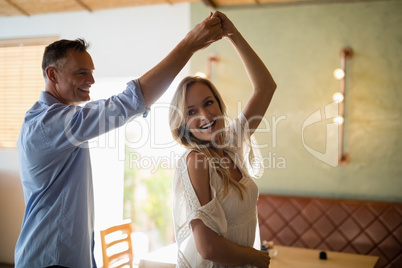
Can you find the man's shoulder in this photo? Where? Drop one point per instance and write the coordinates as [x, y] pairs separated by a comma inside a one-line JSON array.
[[42, 111]]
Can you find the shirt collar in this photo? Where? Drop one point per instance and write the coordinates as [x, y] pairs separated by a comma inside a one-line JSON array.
[[47, 98]]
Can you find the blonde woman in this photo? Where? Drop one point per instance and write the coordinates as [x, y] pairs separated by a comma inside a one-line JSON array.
[[215, 197]]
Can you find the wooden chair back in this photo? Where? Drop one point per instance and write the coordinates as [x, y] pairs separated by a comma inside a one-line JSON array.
[[117, 248]]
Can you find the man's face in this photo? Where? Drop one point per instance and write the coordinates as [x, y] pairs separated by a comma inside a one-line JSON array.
[[74, 78]]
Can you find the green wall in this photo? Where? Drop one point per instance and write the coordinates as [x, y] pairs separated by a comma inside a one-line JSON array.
[[300, 44]]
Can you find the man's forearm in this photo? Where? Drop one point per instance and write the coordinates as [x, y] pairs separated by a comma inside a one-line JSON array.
[[155, 82]]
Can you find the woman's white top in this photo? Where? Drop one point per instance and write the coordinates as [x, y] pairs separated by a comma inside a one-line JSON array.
[[229, 216]]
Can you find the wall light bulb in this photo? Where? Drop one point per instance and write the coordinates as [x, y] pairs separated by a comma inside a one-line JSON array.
[[338, 97], [339, 74], [338, 120]]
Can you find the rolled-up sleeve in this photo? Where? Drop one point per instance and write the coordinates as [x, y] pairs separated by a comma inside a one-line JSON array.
[[135, 86], [73, 125]]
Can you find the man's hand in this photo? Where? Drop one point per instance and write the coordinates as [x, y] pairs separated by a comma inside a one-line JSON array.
[[205, 33]]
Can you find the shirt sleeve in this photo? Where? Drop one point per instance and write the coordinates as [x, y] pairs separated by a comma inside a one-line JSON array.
[[73, 125]]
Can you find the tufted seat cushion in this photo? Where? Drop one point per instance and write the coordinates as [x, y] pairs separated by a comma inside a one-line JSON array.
[[371, 228]]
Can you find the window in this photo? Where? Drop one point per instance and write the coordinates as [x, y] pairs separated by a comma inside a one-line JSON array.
[[150, 160], [21, 81]]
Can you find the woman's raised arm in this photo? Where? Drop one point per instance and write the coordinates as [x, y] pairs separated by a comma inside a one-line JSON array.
[[263, 84]]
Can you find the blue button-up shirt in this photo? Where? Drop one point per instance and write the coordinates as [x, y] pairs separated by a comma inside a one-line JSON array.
[[58, 225]]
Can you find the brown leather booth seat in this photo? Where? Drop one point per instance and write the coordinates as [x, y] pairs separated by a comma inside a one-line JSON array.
[[371, 228]]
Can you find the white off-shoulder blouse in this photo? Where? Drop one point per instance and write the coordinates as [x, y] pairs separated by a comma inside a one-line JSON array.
[[228, 216]]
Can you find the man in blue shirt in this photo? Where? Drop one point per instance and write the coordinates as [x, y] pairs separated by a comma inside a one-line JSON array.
[[57, 230]]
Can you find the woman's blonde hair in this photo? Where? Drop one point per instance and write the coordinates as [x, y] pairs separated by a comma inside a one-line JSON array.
[[177, 122]]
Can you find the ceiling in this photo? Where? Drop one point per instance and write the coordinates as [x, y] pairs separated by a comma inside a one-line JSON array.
[[33, 7]]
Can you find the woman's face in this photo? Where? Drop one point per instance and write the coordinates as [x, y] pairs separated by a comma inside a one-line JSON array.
[[203, 115]]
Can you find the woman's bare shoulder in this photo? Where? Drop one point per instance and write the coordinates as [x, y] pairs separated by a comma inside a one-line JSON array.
[[198, 170]]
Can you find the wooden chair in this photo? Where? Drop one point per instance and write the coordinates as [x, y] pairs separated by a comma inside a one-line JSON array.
[[117, 248]]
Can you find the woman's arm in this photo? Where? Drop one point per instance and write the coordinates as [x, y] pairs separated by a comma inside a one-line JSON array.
[[209, 244], [261, 79], [219, 250]]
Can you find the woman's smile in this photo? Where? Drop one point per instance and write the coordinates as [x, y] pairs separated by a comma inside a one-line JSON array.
[[204, 116], [208, 126]]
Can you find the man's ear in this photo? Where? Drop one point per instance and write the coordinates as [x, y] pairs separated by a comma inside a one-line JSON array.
[[51, 73]]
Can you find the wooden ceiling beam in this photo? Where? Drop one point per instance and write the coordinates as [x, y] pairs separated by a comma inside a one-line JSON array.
[[209, 3], [83, 5], [17, 7]]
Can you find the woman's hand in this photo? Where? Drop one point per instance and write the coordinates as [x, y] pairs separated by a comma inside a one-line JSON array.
[[261, 259], [227, 26]]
